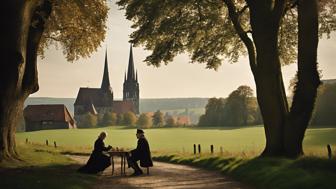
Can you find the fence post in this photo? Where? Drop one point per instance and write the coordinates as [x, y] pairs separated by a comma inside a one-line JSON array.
[[199, 148], [194, 149], [55, 144], [329, 151], [26, 140], [47, 142], [221, 150], [212, 148]]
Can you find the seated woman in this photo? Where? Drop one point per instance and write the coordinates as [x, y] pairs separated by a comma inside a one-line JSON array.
[[98, 160]]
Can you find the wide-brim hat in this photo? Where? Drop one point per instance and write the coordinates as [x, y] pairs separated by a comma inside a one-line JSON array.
[[140, 131]]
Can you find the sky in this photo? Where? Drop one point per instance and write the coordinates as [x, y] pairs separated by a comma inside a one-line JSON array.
[[179, 79]]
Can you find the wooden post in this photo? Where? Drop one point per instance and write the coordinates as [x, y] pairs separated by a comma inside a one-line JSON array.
[[47, 142], [211, 148], [194, 148], [221, 150], [329, 151], [55, 145], [26, 140], [199, 148]]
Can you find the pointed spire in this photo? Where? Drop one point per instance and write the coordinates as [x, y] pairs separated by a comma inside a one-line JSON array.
[[130, 71], [125, 77], [136, 76], [106, 80]]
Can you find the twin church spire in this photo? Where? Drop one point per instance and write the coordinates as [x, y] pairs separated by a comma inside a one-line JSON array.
[[106, 85], [131, 85], [132, 74]]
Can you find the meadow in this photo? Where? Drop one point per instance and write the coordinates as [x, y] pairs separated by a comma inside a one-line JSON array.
[[248, 140]]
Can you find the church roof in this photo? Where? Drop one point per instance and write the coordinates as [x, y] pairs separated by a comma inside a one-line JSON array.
[[96, 96], [123, 106], [48, 112]]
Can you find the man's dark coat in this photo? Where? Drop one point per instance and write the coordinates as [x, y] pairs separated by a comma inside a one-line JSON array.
[[142, 153]]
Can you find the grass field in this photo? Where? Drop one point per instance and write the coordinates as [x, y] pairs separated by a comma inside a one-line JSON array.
[[42, 167], [243, 140]]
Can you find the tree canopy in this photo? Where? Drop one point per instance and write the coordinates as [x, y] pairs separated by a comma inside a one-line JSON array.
[[78, 27], [204, 29]]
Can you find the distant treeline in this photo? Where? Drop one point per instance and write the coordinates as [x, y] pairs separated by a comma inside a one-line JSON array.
[[146, 105], [325, 106], [241, 109]]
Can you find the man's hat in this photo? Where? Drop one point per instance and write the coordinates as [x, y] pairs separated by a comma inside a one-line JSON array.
[[140, 131]]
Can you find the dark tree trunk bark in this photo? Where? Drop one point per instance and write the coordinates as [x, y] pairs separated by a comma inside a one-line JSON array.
[[18, 74], [271, 95], [308, 78], [284, 130]]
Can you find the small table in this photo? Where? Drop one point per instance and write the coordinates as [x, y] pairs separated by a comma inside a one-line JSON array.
[[123, 155]]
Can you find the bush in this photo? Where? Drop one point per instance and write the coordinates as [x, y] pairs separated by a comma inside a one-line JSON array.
[[109, 118], [145, 121], [88, 121], [130, 119]]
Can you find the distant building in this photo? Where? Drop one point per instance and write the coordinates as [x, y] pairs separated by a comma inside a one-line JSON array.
[[48, 116], [183, 120], [99, 101]]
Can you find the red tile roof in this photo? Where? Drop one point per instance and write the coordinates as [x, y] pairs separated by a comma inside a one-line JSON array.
[[48, 112]]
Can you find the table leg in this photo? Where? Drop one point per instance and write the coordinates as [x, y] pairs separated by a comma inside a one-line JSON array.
[[122, 162], [125, 159], [112, 163]]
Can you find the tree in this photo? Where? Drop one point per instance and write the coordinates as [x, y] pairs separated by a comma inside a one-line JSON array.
[[144, 121], [238, 107], [213, 113], [213, 30], [29, 26], [158, 119], [88, 121], [130, 119], [325, 110], [120, 119], [109, 118], [170, 121]]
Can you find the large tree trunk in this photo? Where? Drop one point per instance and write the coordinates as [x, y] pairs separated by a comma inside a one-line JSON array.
[[284, 131], [308, 78], [268, 77], [19, 44]]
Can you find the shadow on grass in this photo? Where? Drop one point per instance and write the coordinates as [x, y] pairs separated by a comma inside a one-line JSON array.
[[52, 177], [268, 173]]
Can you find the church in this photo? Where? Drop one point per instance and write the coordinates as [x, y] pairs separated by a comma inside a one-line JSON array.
[[99, 101]]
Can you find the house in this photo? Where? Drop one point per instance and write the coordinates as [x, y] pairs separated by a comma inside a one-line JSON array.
[[48, 116]]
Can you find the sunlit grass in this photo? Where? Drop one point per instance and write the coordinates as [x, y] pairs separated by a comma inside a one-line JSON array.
[[246, 140]]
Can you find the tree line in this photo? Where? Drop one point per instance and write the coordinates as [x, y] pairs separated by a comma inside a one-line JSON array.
[[239, 109], [144, 120]]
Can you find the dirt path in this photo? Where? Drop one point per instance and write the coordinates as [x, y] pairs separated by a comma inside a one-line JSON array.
[[164, 175]]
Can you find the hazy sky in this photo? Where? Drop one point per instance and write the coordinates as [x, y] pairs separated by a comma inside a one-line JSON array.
[[59, 78]]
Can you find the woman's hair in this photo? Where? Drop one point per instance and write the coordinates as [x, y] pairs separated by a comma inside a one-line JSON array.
[[102, 134]]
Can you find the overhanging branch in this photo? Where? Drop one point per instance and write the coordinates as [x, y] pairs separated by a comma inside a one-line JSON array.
[[234, 17]]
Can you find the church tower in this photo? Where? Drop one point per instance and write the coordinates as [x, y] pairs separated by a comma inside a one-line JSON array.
[[131, 85]]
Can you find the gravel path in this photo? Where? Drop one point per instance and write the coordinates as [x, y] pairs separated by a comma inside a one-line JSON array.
[[164, 175]]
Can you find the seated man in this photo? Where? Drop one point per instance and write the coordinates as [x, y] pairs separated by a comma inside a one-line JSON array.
[[142, 153], [98, 160]]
